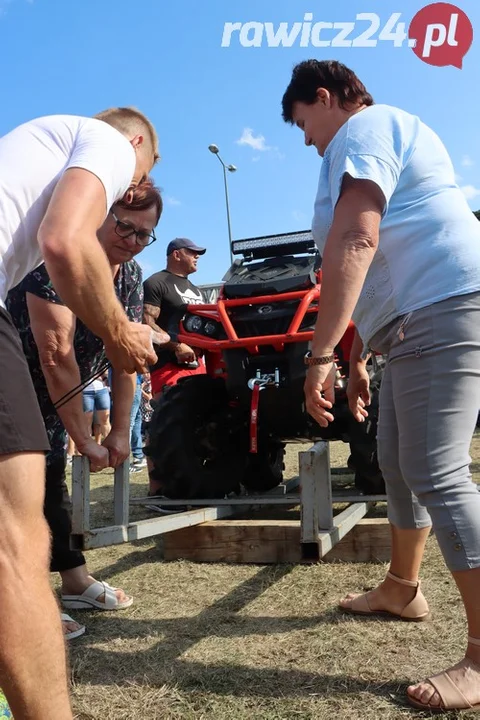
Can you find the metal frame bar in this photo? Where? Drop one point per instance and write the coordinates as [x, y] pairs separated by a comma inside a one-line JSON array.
[[320, 529]]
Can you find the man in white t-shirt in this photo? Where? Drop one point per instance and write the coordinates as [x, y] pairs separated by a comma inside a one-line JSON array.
[[59, 177]]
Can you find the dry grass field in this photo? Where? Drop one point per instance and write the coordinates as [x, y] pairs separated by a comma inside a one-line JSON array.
[[235, 642]]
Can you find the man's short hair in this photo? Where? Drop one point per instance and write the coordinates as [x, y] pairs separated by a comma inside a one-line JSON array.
[[130, 121]]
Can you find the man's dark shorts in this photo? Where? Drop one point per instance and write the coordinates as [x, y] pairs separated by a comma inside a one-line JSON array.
[[21, 424]]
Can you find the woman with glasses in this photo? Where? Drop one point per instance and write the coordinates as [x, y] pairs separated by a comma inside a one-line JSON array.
[[62, 353]]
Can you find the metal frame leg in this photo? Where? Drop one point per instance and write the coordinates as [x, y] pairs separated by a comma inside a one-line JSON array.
[[316, 509], [80, 494], [121, 494]]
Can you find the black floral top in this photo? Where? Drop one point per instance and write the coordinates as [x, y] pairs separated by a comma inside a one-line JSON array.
[[89, 349]]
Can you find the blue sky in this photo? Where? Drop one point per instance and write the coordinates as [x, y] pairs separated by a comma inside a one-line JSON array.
[[81, 56]]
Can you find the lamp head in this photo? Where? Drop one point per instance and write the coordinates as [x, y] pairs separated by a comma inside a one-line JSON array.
[[213, 149]]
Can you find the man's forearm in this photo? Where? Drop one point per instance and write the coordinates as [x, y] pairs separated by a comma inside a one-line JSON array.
[[344, 267], [61, 379], [123, 390], [82, 276], [149, 320]]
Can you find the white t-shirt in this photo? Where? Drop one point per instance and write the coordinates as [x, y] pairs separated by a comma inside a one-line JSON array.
[[429, 246], [95, 386], [33, 157]]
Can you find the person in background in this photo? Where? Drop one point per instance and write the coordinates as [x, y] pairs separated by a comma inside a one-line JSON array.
[[61, 353], [136, 444], [401, 257], [145, 405], [166, 296], [96, 406], [71, 450]]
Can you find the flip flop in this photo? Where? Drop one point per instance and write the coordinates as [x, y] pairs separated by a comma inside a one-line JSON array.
[[88, 599], [73, 633]]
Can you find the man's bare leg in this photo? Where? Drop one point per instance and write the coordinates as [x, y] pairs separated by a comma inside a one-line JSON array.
[[33, 671]]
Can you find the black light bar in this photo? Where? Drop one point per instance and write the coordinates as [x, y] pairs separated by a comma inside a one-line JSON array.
[[250, 245]]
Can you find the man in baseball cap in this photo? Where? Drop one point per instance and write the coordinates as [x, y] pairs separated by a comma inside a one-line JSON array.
[[166, 296], [180, 243]]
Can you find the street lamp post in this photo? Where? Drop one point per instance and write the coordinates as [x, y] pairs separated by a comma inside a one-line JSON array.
[[231, 168]]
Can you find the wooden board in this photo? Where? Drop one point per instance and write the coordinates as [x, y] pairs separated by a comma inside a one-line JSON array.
[[272, 541]]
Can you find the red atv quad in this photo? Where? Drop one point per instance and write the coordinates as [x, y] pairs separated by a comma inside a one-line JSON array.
[[225, 432]]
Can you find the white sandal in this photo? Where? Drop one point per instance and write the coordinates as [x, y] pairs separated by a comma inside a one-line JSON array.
[[88, 599], [73, 633]]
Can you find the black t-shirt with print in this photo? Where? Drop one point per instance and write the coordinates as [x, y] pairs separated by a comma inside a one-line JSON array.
[[171, 293]]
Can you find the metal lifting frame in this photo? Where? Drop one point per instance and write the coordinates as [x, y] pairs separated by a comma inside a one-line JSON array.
[[320, 528]]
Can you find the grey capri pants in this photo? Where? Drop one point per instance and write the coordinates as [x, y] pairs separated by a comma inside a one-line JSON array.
[[429, 402]]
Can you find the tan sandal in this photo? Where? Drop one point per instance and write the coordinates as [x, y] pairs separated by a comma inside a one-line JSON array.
[[451, 697], [415, 611]]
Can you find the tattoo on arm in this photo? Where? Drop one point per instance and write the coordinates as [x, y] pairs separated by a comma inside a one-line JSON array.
[[150, 316]]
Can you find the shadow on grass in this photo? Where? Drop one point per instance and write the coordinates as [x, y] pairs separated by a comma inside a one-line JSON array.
[[161, 662]]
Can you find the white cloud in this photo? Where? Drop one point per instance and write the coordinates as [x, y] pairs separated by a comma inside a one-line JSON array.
[[467, 161], [255, 142], [169, 200], [470, 191], [258, 143], [458, 178]]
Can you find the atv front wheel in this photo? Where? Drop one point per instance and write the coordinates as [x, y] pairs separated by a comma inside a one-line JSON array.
[[191, 444], [264, 469]]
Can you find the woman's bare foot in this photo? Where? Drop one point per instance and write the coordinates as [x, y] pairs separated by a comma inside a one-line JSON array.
[[394, 596], [389, 596], [465, 675], [77, 580], [71, 629], [79, 589]]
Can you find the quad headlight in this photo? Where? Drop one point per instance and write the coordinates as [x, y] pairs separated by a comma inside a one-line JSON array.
[[210, 328], [193, 323], [201, 326]]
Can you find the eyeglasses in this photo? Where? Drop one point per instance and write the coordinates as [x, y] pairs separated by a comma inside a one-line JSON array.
[[125, 230]]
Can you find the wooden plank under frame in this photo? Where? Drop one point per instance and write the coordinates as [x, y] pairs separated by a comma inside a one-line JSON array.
[[273, 541]]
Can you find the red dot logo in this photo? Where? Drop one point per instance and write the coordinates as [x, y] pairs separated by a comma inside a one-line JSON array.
[[441, 34]]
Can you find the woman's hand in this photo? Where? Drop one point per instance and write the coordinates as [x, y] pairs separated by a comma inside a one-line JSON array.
[[117, 443], [98, 455], [358, 391], [320, 393]]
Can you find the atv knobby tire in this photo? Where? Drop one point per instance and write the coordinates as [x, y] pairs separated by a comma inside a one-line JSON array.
[[264, 469], [192, 451], [363, 459]]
